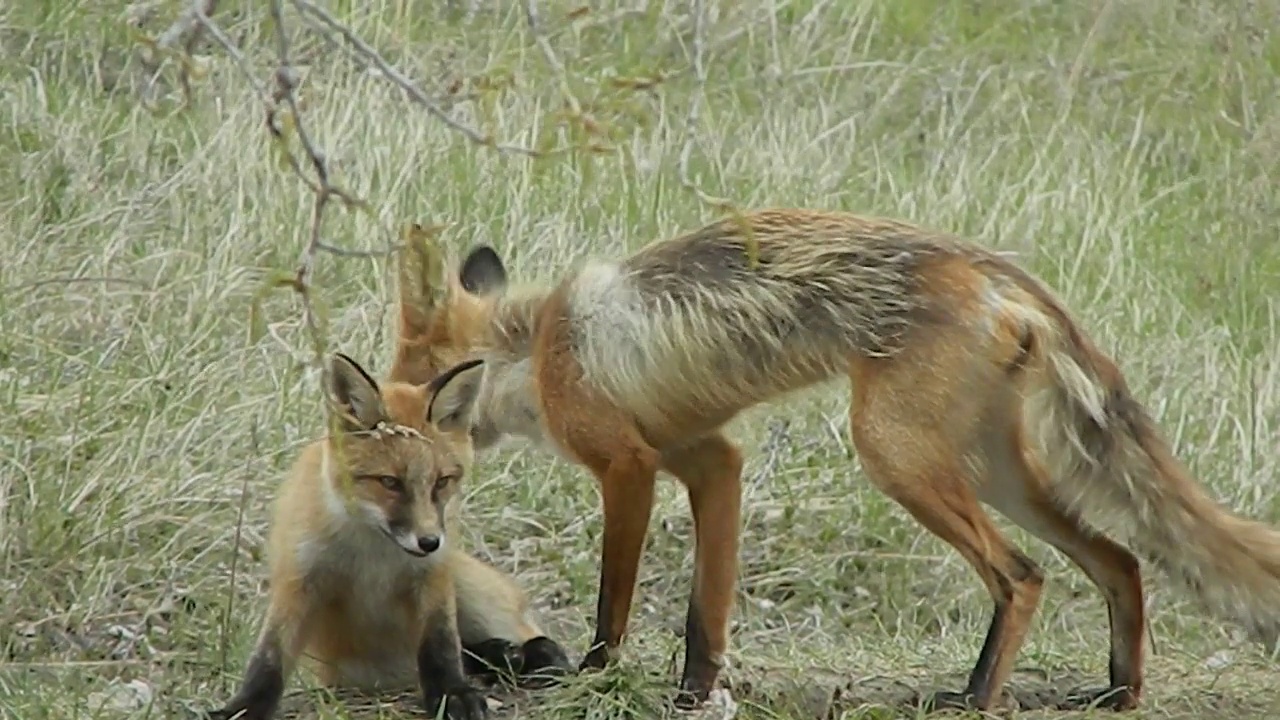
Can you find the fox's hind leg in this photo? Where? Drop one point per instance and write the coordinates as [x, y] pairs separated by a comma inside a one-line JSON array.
[[1019, 490], [596, 433], [499, 636], [909, 431]]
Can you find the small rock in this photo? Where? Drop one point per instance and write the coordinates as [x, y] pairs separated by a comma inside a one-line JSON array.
[[1219, 660], [120, 632], [720, 705], [127, 697]]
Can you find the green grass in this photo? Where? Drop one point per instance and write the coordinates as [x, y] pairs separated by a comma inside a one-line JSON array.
[[1128, 158]]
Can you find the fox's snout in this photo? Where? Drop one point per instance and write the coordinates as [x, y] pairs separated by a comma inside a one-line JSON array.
[[418, 545], [414, 521], [428, 543]]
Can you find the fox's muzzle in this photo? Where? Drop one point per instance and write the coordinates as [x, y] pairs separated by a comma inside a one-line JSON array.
[[418, 545]]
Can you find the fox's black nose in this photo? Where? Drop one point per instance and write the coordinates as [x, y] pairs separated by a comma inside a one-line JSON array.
[[428, 543]]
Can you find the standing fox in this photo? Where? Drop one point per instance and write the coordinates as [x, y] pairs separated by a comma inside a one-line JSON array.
[[366, 576], [971, 385]]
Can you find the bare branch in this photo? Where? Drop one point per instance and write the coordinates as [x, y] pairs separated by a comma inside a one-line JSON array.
[[185, 33], [589, 125], [283, 119], [242, 63], [531, 17], [410, 88], [286, 80]]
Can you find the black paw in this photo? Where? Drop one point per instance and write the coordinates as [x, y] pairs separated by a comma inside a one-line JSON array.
[[945, 700], [464, 703], [1107, 698], [596, 659], [696, 684], [690, 696], [492, 660], [543, 661]]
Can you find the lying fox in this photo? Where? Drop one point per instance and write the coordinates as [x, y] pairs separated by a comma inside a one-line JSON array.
[[971, 383], [367, 578]]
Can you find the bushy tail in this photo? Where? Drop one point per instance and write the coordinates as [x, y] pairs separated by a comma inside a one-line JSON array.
[[420, 284], [1112, 465]]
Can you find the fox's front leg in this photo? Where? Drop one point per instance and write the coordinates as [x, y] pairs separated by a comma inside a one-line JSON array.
[[627, 489], [587, 426], [440, 670], [272, 661], [710, 469]]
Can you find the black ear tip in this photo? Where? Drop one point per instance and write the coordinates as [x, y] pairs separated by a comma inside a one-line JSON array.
[[483, 251], [448, 375], [482, 270], [482, 257], [438, 384], [339, 359]]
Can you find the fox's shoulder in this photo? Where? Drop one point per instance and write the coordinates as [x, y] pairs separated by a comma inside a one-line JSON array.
[[306, 504]]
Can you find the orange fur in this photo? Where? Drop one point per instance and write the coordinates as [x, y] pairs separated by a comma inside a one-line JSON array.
[[368, 580], [972, 386]]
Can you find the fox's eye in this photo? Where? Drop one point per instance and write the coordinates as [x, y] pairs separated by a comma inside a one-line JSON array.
[[391, 483]]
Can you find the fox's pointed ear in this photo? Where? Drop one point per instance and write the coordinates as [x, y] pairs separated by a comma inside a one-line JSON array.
[[356, 394], [482, 272], [454, 396]]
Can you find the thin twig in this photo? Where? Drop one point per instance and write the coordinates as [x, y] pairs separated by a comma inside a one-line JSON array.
[[540, 37], [366, 65], [185, 31], [286, 86], [74, 280], [410, 88], [327, 36], [343, 252], [242, 63]]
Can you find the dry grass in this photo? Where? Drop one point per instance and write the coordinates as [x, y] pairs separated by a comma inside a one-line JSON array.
[[1124, 158]]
